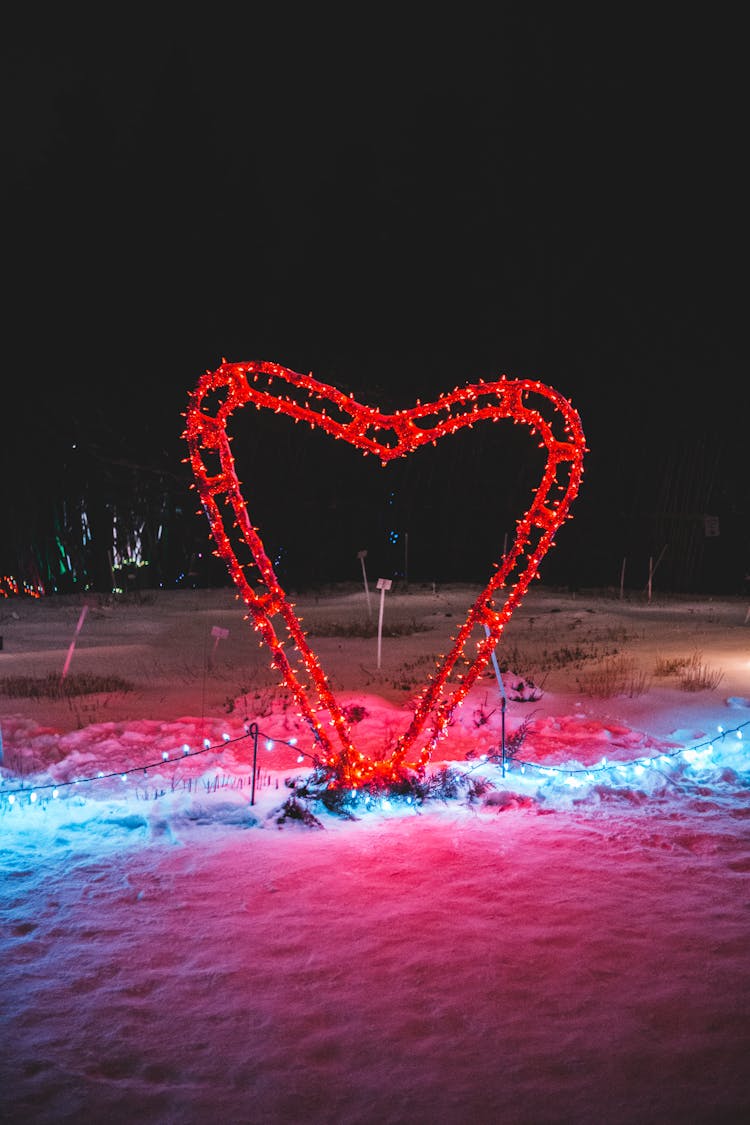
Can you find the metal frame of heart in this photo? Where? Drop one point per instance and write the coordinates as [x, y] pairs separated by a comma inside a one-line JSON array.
[[303, 398]]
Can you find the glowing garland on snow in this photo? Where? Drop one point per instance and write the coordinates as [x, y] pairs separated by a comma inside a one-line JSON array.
[[9, 797], [304, 399], [698, 755]]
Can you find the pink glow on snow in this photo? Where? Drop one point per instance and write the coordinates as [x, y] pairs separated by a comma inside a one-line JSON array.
[[566, 948]]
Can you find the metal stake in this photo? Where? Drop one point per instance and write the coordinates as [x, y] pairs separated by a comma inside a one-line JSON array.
[[252, 730]]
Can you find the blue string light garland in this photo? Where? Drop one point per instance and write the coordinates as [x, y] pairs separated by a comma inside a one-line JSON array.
[[9, 797], [690, 753]]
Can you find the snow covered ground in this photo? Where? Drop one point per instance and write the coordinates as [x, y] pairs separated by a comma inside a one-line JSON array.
[[564, 940]]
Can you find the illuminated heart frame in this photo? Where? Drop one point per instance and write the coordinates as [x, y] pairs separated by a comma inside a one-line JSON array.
[[305, 399]]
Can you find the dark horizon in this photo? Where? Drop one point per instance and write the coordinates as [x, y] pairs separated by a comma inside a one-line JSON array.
[[548, 201]]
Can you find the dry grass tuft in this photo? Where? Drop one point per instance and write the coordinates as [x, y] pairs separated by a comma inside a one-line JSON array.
[[669, 666], [365, 629], [697, 676], [616, 675], [693, 674], [52, 686]]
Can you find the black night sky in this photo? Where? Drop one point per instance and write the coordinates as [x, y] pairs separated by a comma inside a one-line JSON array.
[[399, 208]]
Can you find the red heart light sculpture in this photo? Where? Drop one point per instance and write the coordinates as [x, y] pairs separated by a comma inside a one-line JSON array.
[[303, 398]]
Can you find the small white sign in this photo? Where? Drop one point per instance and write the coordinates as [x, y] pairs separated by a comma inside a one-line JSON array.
[[384, 583], [218, 634]]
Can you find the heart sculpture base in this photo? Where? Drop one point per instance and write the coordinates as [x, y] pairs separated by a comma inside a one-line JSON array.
[[551, 420]]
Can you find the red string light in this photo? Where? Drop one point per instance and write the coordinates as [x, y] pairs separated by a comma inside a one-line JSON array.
[[12, 587], [270, 386]]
